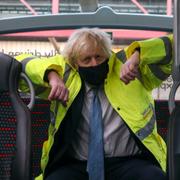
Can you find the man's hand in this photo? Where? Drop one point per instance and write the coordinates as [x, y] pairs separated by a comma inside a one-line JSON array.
[[58, 88], [129, 70]]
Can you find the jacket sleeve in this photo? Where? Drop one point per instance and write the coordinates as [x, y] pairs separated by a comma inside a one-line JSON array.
[[156, 57], [35, 68]]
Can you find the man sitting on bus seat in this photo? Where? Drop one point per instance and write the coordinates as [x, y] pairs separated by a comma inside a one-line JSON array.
[[98, 94]]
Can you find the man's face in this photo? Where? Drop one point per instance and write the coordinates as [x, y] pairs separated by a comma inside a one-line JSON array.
[[91, 57]]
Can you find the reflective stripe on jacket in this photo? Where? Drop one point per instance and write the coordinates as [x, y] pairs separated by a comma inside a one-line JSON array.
[[133, 102]]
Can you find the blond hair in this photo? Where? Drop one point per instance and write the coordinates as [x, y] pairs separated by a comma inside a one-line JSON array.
[[82, 39]]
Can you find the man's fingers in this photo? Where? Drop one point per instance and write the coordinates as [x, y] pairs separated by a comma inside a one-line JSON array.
[[128, 73], [129, 70], [52, 93], [62, 94], [58, 89], [126, 81]]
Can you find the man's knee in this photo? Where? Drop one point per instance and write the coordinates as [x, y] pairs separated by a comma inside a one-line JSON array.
[[152, 173]]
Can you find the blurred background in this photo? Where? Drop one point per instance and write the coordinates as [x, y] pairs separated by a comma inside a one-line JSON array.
[[49, 43]]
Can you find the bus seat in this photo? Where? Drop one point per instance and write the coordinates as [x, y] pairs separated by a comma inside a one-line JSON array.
[[173, 140], [22, 132], [15, 124], [162, 116], [40, 121]]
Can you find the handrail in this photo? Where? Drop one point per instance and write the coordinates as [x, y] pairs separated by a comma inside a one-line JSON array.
[[174, 124], [31, 88], [176, 64], [104, 17]]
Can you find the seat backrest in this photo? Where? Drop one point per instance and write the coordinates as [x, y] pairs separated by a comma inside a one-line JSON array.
[[162, 116], [173, 140], [40, 121], [15, 124]]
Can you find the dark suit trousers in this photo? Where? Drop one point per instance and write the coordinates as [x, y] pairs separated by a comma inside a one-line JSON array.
[[119, 168]]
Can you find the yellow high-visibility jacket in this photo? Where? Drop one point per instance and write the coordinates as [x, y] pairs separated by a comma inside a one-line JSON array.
[[133, 102]]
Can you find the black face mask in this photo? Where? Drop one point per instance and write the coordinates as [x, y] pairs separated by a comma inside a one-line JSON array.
[[94, 75]]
